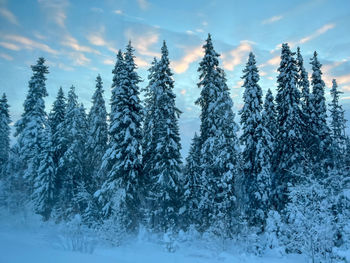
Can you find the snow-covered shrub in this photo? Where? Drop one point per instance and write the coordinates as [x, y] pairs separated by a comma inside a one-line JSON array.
[[310, 224], [75, 236]]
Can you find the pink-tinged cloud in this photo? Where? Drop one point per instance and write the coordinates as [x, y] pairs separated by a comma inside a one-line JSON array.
[[9, 16], [5, 56], [73, 43], [96, 39], [143, 42], [10, 46], [236, 56], [318, 32], [192, 54], [30, 44]]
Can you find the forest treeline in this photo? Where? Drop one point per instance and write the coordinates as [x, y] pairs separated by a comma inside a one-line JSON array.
[[284, 180]]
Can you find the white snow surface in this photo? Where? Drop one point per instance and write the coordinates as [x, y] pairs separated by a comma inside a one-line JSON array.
[[29, 240]]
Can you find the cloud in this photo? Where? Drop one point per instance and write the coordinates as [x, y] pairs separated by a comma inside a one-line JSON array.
[[73, 43], [192, 55], [317, 33], [79, 59], [9, 16], [96, 39], [239, 84], [143, 4], [141, 63], [322, 30], [108, 61], [275, 61], [344, 79], [5, 56], [30, 44], [143, 42], [272, 19], [10, 46], [235, 57], [118, 12], [56, 10]]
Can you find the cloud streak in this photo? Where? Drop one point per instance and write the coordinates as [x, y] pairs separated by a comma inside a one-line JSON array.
[[235, 57], [56, 10], [272, 19], [192, 55], [5, 56], [27, 43], [9, 16]]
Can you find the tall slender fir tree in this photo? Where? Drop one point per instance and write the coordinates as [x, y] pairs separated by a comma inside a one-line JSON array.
[[4, 134]]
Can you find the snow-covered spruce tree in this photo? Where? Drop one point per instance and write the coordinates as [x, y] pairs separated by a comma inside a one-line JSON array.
[[120, 192], [306, 101], [148, 145], [73, 159], [56, 119], [219, 146], [337, 125], [164, 174], [45, 192], [32, 123], [288, 153], [191, 197], [269, 115], [4, 134], [255, 138], [321, 141], [96, 143]]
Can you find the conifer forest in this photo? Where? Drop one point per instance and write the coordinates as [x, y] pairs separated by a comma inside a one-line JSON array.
[[272, 176]]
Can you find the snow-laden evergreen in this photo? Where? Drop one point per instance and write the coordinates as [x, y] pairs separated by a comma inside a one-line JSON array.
[[56, 119], [219, 147], [4, 134], [120, 193], [306, 103], [192, 184], [32, 123], [164, 173], [96, 142], [320, 131], [256, 140], [269, 115], [149, 115], [73, 159], [288, 150], [337, 124], [45, 191]]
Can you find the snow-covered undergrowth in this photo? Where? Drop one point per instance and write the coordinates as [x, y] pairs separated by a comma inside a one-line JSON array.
[[25, 238]]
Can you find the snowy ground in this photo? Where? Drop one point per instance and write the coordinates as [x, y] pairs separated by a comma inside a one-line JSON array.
[[30, 241]]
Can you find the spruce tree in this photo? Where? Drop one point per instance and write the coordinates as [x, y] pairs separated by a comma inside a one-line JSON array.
[[4, 134], [165, 170], [192, 183], [110, 187], [269, 115], [257, 141], [56, 119], [148, 145], [320, 147], [97, 136], [45, 192], [219, 146], [32, 123], [288, 153], [306, 103], [122, 159], [337, 124], [73, 159]]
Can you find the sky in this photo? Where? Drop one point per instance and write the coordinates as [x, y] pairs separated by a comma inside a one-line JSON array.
[[79, 39]]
